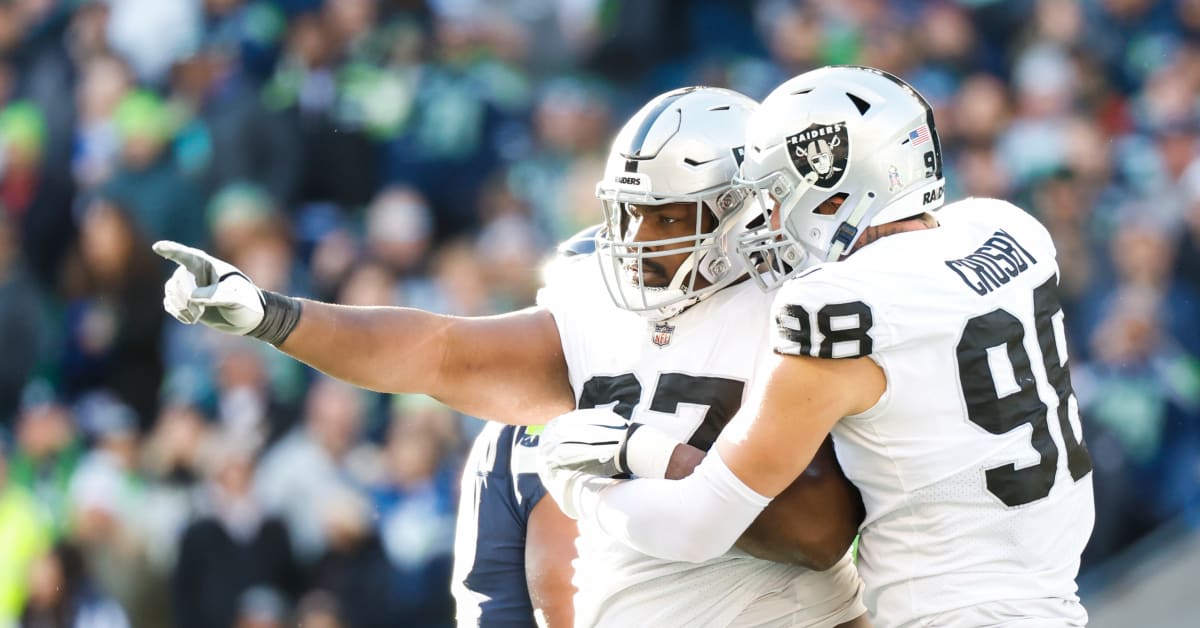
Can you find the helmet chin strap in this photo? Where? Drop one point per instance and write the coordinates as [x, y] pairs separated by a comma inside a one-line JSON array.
[[685, 269], [674, 309], [847, 232]]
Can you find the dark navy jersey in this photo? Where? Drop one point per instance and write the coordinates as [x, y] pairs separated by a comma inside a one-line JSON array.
[[582, 243], [500, 487]]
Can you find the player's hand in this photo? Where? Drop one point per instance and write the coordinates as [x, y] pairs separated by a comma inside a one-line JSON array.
[[577, 447], [588, 447], [586, 441], [600, 442], [210, 291]]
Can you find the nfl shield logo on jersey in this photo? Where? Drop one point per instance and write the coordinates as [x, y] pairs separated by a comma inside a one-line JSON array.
[[662, 334]]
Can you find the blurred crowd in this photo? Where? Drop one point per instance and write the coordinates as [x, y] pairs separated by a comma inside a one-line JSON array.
[[430, 153]]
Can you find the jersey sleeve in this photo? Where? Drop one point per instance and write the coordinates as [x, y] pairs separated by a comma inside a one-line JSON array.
[[824, 314], [566, 281], [575, 295]]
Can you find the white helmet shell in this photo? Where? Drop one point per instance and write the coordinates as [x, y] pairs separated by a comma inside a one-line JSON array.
[[683, 146], [848, 131]]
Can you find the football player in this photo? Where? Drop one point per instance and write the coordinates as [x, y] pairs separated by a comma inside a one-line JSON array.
[[679, 353], [931, 345], [512, 547]]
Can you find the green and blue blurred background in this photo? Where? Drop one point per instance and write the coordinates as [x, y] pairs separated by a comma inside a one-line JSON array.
[[430, 153]]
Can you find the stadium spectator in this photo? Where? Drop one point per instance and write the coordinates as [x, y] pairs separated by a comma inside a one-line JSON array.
[[310, 465], [112, 335], [108, 495], [354, 568], [35, 192], [104, 82], [21, 323], [24, 527], [415, 505], [62, 594], [46, 452], [234, 548], [148, 180], [262, 607]]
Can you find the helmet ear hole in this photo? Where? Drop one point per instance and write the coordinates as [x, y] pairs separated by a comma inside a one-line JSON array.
[[829, 206], [708, 219]]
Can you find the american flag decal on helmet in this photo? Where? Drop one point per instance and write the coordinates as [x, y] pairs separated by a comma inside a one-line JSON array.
[[919, 135]]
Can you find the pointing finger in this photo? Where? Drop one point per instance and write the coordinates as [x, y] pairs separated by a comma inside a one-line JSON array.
[[194, 260]]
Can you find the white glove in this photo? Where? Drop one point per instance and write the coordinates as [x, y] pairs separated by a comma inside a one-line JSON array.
[[207, 290], [597, 443]]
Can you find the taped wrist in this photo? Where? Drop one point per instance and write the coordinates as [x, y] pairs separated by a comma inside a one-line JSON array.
[[646, 452], [281, 313]]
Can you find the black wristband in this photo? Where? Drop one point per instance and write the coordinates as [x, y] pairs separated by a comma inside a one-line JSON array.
[[623, 450], [280, 315]]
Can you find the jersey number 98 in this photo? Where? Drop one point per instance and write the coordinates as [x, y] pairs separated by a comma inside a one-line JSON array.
[[1002, 414]]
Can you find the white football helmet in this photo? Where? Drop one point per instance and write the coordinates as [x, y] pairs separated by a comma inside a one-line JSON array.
[[852, 132], [683, 146]]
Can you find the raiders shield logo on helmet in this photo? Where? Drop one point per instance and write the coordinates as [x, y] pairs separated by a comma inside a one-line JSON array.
[[823, 149]]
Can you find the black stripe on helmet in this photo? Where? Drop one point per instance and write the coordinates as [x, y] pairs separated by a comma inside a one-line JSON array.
[[937, 142], [639, 138]]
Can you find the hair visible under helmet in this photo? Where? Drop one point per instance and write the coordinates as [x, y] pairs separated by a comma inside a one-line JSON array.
[[843, 131], [682, 147]]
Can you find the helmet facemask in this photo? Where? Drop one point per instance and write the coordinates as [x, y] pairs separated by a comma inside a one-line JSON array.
[[710, 263], [764, 245], [683, 147]]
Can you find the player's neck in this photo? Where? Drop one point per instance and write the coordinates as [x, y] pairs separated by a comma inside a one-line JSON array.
[[916, 223]]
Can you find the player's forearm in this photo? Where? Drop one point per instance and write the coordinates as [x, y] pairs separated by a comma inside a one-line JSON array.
[[684, 460], [388, 349], [549, 555], [507, 368], [694, 519], [550, 588], [795, 533], [792, 529]]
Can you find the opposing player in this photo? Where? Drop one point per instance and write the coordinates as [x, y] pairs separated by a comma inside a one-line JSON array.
[[513, 546], [931, 345], [668, 251]]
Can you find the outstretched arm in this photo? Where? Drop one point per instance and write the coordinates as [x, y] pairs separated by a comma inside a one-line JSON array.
[[506, 368]]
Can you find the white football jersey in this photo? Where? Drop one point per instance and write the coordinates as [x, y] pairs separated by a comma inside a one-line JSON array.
[[687, 377], [972, 466]]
